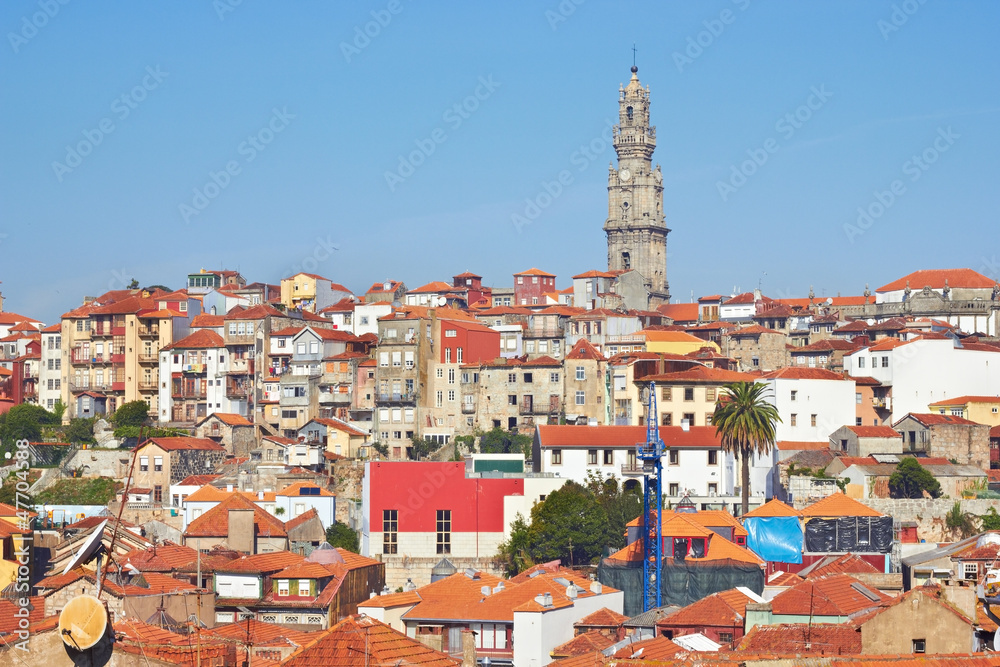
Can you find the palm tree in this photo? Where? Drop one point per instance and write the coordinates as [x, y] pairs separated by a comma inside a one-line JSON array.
[[745, 421]]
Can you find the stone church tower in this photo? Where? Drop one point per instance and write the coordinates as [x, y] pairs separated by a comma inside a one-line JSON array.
[[636, 227]]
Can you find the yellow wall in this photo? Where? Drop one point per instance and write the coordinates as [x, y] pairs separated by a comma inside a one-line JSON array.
[[678, 347]]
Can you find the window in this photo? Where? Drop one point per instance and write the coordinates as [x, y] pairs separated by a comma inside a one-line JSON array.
[[397, 359], [919, 645], [459, 356], [439, 399], [710, 393], [688, 417], [282, 586], [554, 377], [666, 393], [970, 571], [158, 463], [592, 457], [390, 531], [451, 376], [451, 395], [304, 587], [861, 362], [673, 457], [688, 393], [511, 377], [157, 494], [609, 457], [447, 355], [794, 394], [143, 464], [581, 398], [673, 489], [792, 419], [444, 531], [885, 362], [812, 420], [666, 419], [857, 421], [556, 457], [383, 359], [713, 489], [528, 378], [713, 457], [581, 373], [511, 399], [450, 333], [857, 397]]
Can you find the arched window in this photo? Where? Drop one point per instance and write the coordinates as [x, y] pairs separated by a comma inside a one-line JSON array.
[[628, 112], [626, 261]]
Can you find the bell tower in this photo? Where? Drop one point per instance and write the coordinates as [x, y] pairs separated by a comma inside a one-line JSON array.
[[636, 227]]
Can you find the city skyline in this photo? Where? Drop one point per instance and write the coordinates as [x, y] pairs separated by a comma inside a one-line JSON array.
[[775, 126]]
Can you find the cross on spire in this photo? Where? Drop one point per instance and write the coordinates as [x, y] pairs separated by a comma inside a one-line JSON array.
[[633, 54]]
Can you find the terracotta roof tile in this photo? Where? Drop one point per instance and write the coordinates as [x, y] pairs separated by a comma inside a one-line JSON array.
[[936, 279], [215, 522], [802, 639], [798, 373], [832, 595], [583, 643], [724, 609], [603, 617], [773, 507], [405, 599], [228, 418], [559, 436], [176, 443], [837, 504], [845, 564], [931, 419], [657, 648], [875, 431], [360, 641]]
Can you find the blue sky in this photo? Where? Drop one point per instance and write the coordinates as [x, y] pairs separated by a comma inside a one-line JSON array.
[[308, 115]]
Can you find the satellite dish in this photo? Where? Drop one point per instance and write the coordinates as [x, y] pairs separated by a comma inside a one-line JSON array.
[[83, 622], [870, 321], [90, 548], [829, 301]]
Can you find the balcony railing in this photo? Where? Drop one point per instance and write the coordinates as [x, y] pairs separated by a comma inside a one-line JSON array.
[[149, 331], [405, 397], [468, 408], [147, 385], [632, 469], [148, 358]]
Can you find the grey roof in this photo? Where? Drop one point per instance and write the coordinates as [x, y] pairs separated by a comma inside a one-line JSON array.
[[648, 619], [941, 552]]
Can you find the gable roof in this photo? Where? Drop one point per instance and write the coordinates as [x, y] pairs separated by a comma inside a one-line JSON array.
[[936, 279], [837, 504], [584, 643], [802, 639], [874, 431], [227, 418], [535, 272], [178, 443], [201, 339], [771, 508], [215, 522], [963, 400], [583, 349], [552, 435], [933, 419], [360, 641], [844, 564], [603, 617], [722, 609], [832, 595]]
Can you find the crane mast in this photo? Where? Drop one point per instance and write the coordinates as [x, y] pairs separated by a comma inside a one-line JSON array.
[[650, 453]]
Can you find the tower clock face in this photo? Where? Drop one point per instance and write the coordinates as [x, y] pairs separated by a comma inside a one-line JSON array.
[[625, 175]]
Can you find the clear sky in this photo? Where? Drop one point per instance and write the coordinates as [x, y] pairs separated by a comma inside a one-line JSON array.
[[116, 116]]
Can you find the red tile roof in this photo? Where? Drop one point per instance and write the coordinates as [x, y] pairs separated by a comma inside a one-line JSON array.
[[837, 504], [293, 490], [679, 312], [771, 508], [800, 445], [962, 400], [603, 617], [584, 350], [215, 522], [798, 373], [780, 578], [340, 426], [9, 623], [657, 648], [936, 279], [932, 419], [875, 431], [700, 373], [176, 443], [586, 642], [360, 641], [228, 418], [725, 609], [559, 436], [261, 634], [845, 564], [535, 272], [204, 320], [265, 563], [832, 595], [201, 339], [802, 639]]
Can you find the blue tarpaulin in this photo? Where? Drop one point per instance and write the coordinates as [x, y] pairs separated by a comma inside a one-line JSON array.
[[775, 538]]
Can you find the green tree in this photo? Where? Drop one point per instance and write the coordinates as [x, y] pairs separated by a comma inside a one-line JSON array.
[[499, 441], [79, 430], [514, 553], [620, 505], [910, 480], [421, 448], [24, 422], [569, 524], [745, 422], [381, 448], [964, 523], [59, 409], [340, 535], [990, 520], [133, 413]]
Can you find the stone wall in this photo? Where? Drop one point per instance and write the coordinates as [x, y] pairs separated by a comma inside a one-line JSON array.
[[99, 462], [184, 463], [400, 568], [929, 514], [964, 443]]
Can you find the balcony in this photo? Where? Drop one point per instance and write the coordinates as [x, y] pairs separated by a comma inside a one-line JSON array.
[[333, 397], [86, 386], [103, 330], [118, 358], [148, 358], [79, 359], [240, 365], [149, 331], [237, 391], [147, 385], [632, 469], [468, 408], [545, 332], [406, 397], [882, 402], [180, 394]]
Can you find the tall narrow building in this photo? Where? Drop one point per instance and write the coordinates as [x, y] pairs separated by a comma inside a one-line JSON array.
[[636, 227]]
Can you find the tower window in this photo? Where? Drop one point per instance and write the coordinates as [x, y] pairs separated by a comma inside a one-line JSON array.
[[628, 112], [626, 261]]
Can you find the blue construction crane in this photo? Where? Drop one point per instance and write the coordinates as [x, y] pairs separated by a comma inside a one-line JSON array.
[[651, 455]]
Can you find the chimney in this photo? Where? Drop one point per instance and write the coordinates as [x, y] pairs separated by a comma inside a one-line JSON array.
[[596, 588], [229, 488], [685, 425], [468, 648], [241, 531], [540, 599], [548, 600]]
